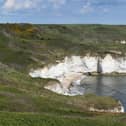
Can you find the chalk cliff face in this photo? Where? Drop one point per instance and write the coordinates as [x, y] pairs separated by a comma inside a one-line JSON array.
[[68, 72], [72, 70], [110, 64], [118, 109]]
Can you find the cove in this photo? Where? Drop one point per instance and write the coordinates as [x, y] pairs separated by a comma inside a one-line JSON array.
[[114, 86]]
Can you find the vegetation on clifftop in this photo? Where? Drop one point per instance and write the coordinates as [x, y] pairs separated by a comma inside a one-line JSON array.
[[42, 44]]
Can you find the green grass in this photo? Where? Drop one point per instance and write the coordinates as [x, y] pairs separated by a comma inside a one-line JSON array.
[[30, 119]]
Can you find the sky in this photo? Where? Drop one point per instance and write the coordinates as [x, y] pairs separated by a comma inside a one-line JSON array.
[[63, 11]]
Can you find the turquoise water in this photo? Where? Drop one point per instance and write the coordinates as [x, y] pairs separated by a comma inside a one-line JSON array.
[[106, 86]]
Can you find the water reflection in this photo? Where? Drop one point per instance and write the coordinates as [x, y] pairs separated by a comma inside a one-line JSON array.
[[99, 86], [106, 86]]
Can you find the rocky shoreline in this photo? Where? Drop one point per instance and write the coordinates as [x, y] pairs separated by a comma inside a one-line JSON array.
[[118, 109], [74, 69]]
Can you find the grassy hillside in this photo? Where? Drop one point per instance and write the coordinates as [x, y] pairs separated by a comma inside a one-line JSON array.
[[30, 119], [26, 46]]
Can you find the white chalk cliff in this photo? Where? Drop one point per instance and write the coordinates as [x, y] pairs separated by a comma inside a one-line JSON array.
[[72, 70], [118, 109]]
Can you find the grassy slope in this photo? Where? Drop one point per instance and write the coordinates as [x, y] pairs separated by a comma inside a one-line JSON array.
[[27, 46], [27, 119], [42, 44]]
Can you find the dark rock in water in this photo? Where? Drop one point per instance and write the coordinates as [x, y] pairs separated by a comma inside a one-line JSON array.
[[88, 73]]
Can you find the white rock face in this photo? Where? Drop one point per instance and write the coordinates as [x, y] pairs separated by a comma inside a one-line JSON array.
[[71, 71], [118, 109], [67, 72], [89, 64], [109, 65]]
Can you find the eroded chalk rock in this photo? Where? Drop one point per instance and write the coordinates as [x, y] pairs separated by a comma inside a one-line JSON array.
[[73, 69]]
